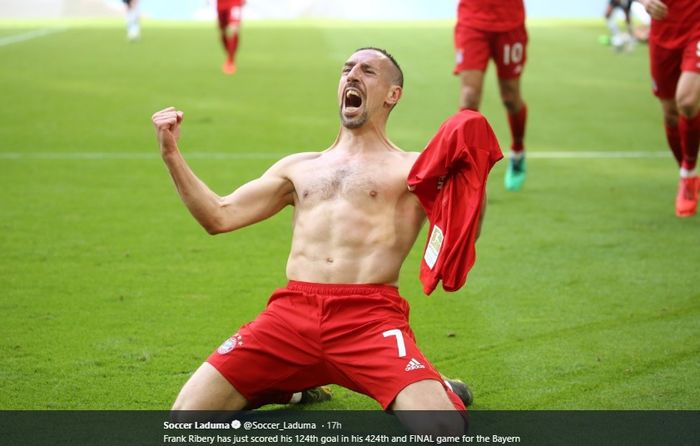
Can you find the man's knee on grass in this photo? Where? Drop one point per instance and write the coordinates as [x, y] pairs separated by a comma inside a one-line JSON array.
[[207, 389], [425, 408]]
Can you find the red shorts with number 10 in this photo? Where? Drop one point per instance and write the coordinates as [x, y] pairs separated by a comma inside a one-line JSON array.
[[474, 48], [230, 16], [309, 335], [667, 64]]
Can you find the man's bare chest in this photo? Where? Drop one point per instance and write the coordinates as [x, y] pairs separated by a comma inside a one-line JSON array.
[[353, 182]]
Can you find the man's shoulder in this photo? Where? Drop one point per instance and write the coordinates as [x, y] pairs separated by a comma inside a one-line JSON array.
[[406, 156], [411, 156], [402, 162], [301, 156], [295, 159], [400, 156]]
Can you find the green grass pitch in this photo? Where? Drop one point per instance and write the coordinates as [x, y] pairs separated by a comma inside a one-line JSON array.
[[585, 292]]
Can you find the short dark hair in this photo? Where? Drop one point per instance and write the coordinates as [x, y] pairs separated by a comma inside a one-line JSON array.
[[399, 78]]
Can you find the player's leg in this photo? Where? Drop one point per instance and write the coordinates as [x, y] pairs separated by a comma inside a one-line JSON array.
[[665, 66], [516, 110], [472, 57], [313, 395], [429, 406], [609, 8], [679, 102], [471, 86], [442, 410], [429, 395], [264, 362], [627, 8], [133, 27], [610, 19], [207, 389], [510, 55], [221, 22], [230, 30], [460, 388], [688, 105], [231, 33], [673, 135], [383, 361], [224, 17]]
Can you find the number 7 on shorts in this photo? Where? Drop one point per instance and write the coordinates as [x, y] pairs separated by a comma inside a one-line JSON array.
[[400, 344]]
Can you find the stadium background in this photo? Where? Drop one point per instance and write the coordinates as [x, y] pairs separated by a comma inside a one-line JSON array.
[[584, 295], [276, 9]]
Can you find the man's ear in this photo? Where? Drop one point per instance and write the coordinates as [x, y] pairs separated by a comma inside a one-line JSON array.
[[392, 98]]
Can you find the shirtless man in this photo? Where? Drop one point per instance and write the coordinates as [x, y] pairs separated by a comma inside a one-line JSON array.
[[340, 318]]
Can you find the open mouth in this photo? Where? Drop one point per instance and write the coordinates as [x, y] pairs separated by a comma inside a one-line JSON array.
[[352, 100]]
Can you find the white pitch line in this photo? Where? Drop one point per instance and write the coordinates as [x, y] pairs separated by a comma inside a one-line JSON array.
[[29, 35], [277, 155], [136, 155], [596, 154]]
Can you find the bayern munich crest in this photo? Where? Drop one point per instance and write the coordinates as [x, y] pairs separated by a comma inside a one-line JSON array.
[[229, 344]]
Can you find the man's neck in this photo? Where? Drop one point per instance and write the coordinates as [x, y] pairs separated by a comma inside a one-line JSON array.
[[368, 138]]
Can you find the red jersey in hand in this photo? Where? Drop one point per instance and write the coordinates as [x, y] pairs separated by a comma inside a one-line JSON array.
[[449, 179]]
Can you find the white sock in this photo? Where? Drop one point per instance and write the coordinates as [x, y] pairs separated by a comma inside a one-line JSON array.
[[517, 155], [612, 25], [685, 173], [132, 18], [296, 398]]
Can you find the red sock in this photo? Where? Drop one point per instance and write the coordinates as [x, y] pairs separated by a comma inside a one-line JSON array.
[[673, 136], [689, 129], [232, 46], [224, 40], [517, 128]]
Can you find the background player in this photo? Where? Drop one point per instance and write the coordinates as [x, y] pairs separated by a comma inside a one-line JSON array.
[[229, 13], [133, 27], [494, 29], [618, 38], [674, 52]]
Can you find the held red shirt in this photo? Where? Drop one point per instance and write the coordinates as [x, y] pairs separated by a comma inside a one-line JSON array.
[[491, 15], [449, 179]]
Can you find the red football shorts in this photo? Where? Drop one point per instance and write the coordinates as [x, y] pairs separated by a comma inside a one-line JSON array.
[[474, 48], [309, 335], [230, 16], [667, 64]]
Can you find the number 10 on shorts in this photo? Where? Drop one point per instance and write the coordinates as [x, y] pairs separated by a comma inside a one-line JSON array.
[[400, 344], [512, 53]]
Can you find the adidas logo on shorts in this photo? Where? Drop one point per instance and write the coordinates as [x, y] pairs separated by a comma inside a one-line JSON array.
[[413, 364]]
